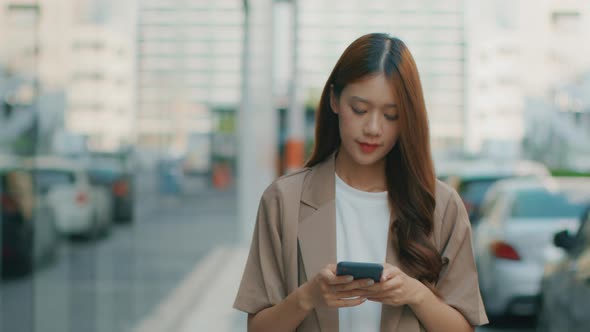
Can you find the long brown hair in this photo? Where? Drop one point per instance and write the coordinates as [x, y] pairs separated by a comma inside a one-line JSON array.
[[409, 169]]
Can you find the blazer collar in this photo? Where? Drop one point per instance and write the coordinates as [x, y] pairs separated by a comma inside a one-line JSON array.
[[319, 187]]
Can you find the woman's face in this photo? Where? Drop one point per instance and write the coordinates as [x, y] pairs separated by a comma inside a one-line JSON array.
[[368, 117]]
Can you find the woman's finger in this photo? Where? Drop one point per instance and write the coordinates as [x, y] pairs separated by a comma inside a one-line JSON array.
[[382, 286], [339, 280], [389, 271], [330, 277], [361, 283]]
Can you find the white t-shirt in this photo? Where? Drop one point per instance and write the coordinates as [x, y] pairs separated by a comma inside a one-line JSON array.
[[362, 225]]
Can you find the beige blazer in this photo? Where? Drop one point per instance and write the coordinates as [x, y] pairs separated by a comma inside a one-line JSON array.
[[295, 237]]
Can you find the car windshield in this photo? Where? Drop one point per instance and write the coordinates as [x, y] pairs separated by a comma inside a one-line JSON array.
[[46, 179], [104, 175], [545, 204], [474, 191], [105, 169], [109, 161]]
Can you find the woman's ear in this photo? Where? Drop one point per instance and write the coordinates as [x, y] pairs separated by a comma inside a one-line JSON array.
[[333, 101]]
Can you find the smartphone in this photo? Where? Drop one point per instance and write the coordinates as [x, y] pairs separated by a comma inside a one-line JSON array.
[[359, 270]]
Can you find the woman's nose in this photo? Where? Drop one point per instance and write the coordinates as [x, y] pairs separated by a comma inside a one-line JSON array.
[[373, 125]]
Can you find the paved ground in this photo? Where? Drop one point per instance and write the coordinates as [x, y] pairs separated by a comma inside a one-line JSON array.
[[113, 283]]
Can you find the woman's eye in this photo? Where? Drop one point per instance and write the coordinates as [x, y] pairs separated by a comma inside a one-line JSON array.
[[358, 111], [391, 117]]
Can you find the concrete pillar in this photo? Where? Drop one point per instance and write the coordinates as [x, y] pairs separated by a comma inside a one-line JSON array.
[[257, 119], [295, 144]]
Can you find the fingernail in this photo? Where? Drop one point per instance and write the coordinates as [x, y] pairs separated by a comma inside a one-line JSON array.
[[370, 283], [349, 278]]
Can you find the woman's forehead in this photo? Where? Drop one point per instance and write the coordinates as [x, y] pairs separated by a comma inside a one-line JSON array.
[[375, 90]]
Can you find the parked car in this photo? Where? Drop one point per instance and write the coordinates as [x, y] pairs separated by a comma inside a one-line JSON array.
[[514, 238], [472, 179], [114, 172], [79, 208], [565, 287], [29, 234], [445, 167]]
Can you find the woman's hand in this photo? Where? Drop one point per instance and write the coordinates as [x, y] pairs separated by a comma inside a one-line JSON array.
[[396, 288], [327, 289]]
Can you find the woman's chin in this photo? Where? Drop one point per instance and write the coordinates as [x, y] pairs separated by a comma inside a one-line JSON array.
[[367, 159]]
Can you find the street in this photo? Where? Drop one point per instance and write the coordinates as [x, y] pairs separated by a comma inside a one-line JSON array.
[[112, 283], [178, 247]]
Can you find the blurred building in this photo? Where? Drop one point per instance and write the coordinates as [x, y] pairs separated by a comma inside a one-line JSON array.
[[80, 70], [189, 55], [192, 51], [557, 131], [34, 39], [433, 31], [101, 87], [518, 49]]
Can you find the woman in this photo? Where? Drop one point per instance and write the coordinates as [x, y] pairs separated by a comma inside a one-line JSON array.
[[368, 194]]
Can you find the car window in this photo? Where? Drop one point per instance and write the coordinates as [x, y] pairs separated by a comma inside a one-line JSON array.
[[540, 203], [498, 209], [104, 175], [110, 162], [105, 163], [474, 190], [489, 201], [47, 179]]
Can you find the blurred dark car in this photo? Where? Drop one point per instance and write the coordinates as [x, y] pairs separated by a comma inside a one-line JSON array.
[[473, 178], [565, 287], [115, 172], [29, 234]]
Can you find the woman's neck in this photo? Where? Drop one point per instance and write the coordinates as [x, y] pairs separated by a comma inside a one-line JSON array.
[[370, 178]]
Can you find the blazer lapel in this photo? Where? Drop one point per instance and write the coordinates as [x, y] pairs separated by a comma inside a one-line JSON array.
[[317, 230]]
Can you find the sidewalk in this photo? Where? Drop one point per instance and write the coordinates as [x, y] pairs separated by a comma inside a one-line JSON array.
[[203, 301]]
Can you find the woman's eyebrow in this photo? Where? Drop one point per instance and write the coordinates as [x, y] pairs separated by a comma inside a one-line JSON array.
[[363, 100]]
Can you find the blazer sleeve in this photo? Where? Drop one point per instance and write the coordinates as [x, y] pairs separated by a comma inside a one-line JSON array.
[[262, 283], [458, 282]]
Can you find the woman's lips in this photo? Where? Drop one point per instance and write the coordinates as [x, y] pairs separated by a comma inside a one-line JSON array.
[[368, 148]]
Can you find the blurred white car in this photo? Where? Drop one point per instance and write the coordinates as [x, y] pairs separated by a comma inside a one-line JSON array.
[[515, 237], [79, 208]]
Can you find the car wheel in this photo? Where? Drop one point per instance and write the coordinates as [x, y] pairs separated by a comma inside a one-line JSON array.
[[542, 325], [94, 232], [542, 319], [127, 219], [26, 263], [57, 236], [106, 226]]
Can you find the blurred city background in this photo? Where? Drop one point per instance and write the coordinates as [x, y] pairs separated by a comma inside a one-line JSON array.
[[136, 137]]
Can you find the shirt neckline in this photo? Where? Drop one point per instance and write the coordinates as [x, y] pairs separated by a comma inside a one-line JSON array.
[[341, 184]]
